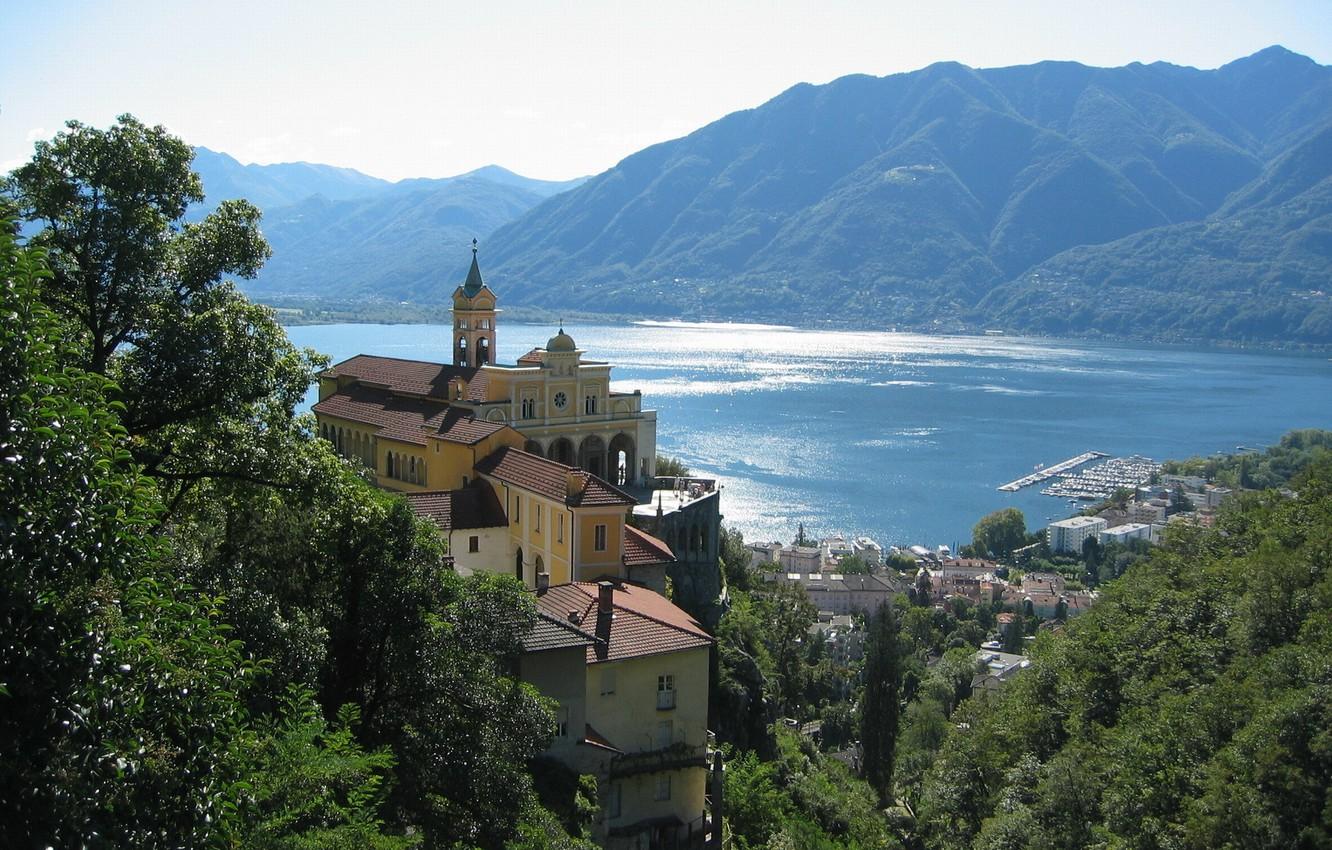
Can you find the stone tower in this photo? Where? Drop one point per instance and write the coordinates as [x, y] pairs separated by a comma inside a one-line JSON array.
[[473, 320]]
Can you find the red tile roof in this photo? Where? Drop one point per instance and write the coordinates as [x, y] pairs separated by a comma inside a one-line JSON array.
[[533, 357], [410, 420], [412, 377], [642, 549], [644, 623], [550, 479], [417, 377], [549, 632], [475, 506]]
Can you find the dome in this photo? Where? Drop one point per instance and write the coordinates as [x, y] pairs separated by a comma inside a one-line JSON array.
[[560, 342]]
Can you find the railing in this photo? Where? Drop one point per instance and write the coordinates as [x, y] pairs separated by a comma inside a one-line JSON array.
[[665, 700], [674, 757]]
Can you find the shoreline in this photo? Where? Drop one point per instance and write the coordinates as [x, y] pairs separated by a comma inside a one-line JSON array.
[[409, 313]]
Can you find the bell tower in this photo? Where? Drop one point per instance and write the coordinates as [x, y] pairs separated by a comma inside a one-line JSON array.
[[474, 316]]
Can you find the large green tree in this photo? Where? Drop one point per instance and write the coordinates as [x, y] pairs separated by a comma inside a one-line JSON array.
[[208, 380], [123, 717], [997, 534]]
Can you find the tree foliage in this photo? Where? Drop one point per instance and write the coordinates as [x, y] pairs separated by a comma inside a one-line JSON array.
[[997, 534], [881, 701], [1187, 708]]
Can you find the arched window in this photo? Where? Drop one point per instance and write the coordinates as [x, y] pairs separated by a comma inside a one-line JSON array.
[[482, 351], [462, 351], [518, 565], [540, 565], [420, 468], [388, 464]]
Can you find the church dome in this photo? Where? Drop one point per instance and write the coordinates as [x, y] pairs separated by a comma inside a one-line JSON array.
[[560, 342]]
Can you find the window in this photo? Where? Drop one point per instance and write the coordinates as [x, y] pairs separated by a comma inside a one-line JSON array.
[[559, 530], [599, 537], [474, 544], [538, 516], [562, 722], [665, 692], [663, 734], [613, 801], [590, 404], [607, 682], [517, 509], [663, 789], [529, 408]]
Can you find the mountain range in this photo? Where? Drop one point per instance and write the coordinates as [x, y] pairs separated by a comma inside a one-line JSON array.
[[1151, 201], [338, 232]]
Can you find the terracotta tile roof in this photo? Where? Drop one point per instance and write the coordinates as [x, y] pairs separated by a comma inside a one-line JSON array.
[[550, 479], [644, 623], [642, 549], [598, 492], [533, 357], [410, 420], [418, 377], [475, 506], [549, 632]]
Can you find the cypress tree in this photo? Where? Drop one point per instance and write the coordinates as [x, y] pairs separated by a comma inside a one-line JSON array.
[[881, 702]]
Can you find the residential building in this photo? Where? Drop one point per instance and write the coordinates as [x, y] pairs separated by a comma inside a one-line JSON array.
[[867, 550], [995, 669], [1123, 534], [836, 593], [1067, 535], [630, 673]]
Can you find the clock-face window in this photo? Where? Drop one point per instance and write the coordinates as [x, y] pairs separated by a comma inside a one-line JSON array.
[[561, 400]]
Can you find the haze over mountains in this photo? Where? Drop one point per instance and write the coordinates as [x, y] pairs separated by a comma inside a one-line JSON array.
[[337, 232], [1148, 201]]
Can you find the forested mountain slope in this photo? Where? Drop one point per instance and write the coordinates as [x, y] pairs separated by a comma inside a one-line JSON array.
[[970, 196]]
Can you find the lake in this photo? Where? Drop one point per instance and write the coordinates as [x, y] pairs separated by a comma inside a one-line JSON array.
[[904, 437]]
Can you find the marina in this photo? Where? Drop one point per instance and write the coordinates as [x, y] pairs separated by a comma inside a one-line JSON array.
[[1102, 480], [1048, 472]]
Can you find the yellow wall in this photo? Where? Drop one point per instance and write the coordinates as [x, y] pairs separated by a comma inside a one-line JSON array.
[[543, 540], [592, 563], [628, 718]]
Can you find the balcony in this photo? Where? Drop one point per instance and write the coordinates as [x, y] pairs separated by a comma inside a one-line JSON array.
[[674, 757]]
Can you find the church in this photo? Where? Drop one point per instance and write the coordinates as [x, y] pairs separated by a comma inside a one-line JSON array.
[[526, 467], [533, 469]]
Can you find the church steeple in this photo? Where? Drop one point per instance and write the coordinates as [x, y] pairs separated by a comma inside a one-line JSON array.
[[474, 316], [474, 282]]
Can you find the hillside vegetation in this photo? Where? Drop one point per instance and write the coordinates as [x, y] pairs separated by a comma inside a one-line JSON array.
[[1148, 200], [1189, 708]]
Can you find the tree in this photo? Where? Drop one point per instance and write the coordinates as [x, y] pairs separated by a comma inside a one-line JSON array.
[[671, 467], [788, 614], [997, 534], [208, 380], [734, 559], [123, 696], [880, 704]]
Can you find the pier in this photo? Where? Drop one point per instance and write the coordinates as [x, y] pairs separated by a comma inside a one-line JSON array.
[[1048, 472]]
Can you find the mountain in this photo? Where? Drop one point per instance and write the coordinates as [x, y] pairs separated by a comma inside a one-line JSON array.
[[268, 186], [1146, 200], [409, 243], [336, 231]]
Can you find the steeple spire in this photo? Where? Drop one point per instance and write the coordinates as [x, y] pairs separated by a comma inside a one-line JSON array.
[[474, 282]]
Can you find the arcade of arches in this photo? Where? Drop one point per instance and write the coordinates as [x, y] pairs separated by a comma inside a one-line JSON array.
[[615, 462]]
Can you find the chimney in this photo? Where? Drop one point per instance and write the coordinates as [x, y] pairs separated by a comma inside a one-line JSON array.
[[543, 582], [605, 597]]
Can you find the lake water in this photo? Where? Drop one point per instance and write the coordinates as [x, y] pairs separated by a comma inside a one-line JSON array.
[[902, 436]]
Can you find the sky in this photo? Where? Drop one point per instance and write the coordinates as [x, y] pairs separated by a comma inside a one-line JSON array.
[[550, 90]]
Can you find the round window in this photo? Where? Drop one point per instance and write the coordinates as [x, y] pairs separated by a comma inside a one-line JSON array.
[[561, 400]]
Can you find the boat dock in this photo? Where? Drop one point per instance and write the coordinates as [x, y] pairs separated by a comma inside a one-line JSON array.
[[1048, 472]]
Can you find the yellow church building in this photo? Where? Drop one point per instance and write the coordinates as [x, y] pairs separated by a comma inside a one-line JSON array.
[[525, 470]]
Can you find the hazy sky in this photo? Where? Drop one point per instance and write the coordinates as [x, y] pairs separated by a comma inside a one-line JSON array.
[[553, 90]]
